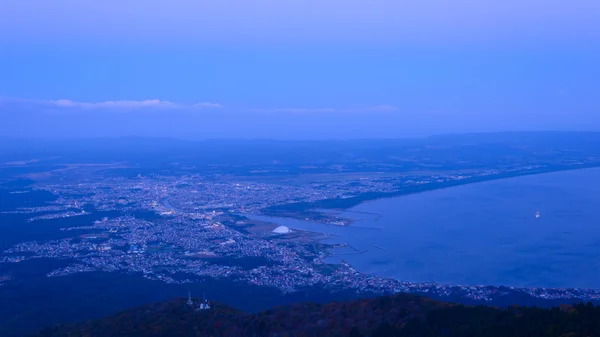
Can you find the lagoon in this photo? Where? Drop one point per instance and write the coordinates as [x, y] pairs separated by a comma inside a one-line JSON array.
[[481, 233]]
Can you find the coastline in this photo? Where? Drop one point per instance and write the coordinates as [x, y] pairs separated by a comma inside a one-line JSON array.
[[583, 176], [317, 210]]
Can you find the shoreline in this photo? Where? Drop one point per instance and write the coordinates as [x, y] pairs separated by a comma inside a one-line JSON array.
[[303, 210], [523, 288]]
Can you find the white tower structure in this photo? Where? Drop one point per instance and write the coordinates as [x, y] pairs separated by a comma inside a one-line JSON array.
[[204, 305], [189, 302]]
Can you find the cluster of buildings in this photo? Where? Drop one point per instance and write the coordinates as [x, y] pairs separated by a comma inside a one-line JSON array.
[[182, 230]]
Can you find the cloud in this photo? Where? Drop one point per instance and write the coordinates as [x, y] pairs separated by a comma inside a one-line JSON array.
[[295, 110], [122, 105], [207, 105], [67, 105], [127, 104], [360, 109]]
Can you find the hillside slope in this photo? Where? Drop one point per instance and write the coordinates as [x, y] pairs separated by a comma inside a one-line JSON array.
[[398, 315]]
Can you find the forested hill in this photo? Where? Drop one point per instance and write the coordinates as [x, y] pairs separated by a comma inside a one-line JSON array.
[[398, 315]]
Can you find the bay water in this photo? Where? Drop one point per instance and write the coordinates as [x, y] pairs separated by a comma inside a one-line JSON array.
[[484, 233]]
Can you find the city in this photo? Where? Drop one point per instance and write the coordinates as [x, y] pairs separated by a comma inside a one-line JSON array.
[[181, 229]]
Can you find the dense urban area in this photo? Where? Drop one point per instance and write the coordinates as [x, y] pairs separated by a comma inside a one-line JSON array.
[[183, 228]]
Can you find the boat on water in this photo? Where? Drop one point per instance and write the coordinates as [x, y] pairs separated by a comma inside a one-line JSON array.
[[537, 214]]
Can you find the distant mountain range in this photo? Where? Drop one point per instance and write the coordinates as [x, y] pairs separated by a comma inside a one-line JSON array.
[[397, 315]]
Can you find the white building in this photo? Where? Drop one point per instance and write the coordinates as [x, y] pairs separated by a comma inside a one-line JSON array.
[[282, 230]]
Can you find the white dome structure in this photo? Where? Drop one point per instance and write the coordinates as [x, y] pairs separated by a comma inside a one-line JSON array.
[[282, 230]]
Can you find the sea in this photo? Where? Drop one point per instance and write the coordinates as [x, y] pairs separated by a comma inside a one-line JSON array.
[[482, 233], [479, 234]]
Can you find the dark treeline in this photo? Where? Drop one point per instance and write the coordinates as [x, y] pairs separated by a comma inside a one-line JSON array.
[[398, 315]]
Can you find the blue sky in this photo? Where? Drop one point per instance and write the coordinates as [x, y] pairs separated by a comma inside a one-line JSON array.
[[297, 69]]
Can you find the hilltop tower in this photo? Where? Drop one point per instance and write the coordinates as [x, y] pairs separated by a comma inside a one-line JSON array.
[[190, 302], [204, 305]]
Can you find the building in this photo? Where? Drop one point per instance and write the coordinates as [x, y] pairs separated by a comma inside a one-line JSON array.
[[282, 230]]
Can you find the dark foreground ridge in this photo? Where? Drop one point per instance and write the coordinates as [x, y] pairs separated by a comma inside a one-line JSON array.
[[398, 315]]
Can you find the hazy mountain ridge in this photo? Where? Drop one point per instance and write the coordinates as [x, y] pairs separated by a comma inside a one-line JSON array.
[[397, 315], [443, 152]]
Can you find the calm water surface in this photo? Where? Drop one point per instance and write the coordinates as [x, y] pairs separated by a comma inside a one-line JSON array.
[[484, 233]]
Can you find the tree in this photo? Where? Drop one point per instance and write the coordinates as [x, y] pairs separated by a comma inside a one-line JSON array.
[[354, 332]]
